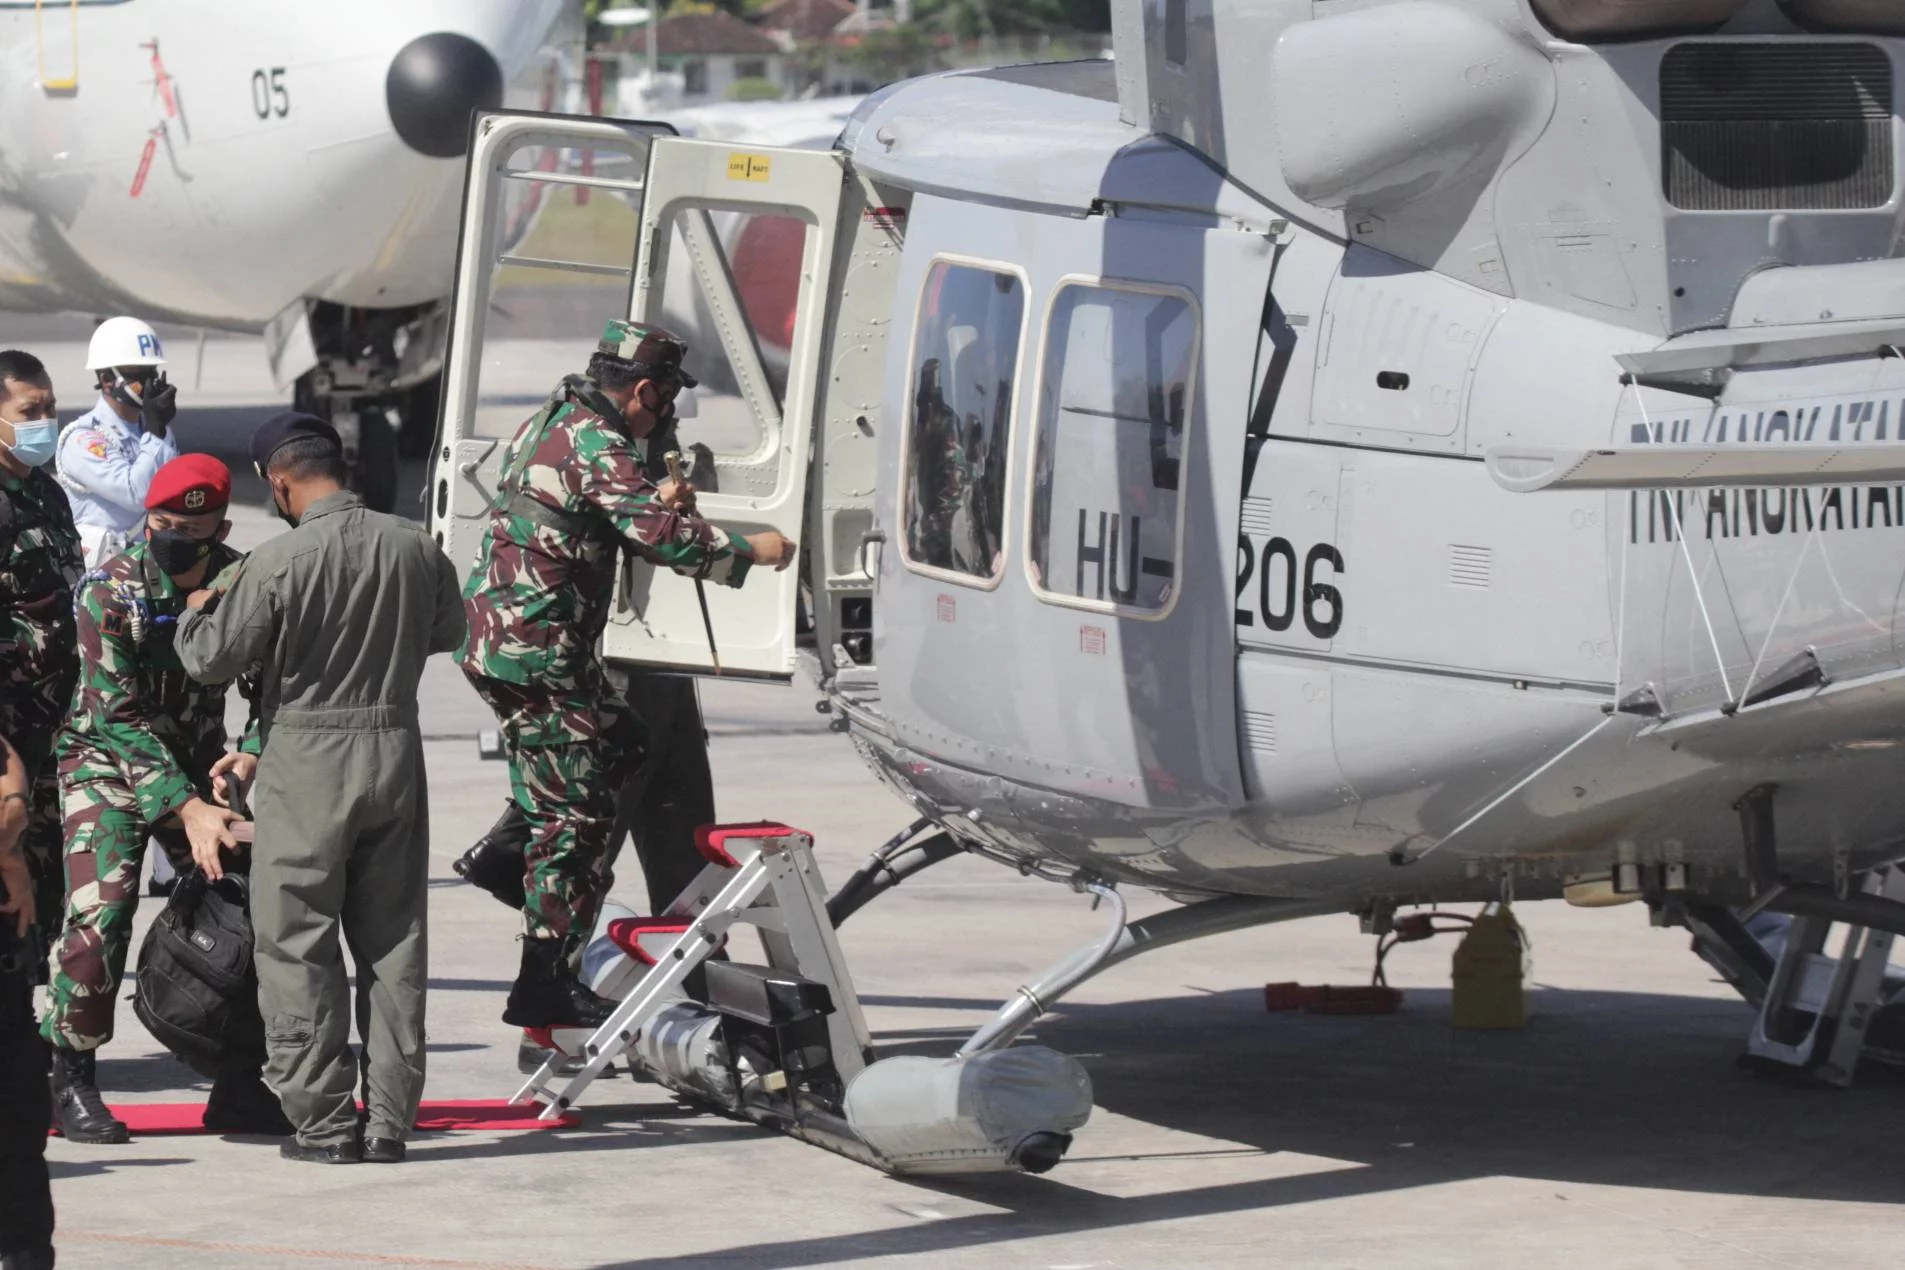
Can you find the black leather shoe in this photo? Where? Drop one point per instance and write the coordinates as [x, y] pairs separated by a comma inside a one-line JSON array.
[[337, 1153], [548, 994], [82, 1113], [530, 1057], [496, 864], [31, 1259], [241, 1103], [384, 1151]]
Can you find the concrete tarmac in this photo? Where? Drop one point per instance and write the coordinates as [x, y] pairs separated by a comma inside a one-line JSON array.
[[1614, 1130]]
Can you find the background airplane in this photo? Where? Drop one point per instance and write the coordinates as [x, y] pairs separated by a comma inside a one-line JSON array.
[[298, 176], [272, 167]]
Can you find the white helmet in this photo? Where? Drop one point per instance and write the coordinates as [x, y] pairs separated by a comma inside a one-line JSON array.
[[124, 341]]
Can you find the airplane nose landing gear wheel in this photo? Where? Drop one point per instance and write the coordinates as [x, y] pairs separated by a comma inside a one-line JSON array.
[[364, 426], [373, 457]]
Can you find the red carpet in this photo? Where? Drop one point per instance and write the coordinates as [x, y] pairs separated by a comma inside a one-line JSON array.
[[154, 1118], [489, 1114]]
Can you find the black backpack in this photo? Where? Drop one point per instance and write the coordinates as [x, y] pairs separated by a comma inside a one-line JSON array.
[[197, 992]]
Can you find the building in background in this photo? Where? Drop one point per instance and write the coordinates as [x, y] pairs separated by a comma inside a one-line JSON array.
[[703, 58], [805, 29], [831, 48]]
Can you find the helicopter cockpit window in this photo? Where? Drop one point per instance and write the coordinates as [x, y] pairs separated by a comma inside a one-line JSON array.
[[965, 363], [1114, 409]]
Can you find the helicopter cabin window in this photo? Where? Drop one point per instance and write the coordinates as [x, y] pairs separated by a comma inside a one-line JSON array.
[[1114, 400], [965, 363]]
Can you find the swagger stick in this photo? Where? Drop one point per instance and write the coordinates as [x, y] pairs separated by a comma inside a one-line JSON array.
[[673, 460]]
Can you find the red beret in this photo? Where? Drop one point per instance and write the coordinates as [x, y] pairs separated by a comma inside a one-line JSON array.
[[191, 483]]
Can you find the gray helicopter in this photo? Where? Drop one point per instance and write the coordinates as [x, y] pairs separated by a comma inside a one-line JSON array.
[[1333, 456]]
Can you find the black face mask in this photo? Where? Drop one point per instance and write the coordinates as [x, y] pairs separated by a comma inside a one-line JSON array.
[[131, 391], [177, 552], [663, 408], [278, 510]]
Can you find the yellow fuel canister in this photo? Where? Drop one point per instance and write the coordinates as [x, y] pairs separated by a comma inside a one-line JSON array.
[[1488, 969]]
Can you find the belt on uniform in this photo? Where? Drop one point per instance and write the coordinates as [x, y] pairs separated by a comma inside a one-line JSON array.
[[374, 718], [569, 523]]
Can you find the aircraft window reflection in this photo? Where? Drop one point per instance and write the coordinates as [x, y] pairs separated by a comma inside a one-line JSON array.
[[1114, 396], [546, 313], [761, 254], [964, 361]]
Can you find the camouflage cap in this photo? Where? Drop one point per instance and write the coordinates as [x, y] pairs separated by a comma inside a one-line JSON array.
[[650, 347]]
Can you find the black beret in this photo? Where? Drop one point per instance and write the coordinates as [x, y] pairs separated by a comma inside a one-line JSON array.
[[280, 430]]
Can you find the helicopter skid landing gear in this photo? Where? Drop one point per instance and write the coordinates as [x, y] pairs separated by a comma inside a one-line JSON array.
[[1127, 940], [784, 1044]]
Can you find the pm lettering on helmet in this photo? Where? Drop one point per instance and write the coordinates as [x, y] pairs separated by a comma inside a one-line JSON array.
[[149, 346]]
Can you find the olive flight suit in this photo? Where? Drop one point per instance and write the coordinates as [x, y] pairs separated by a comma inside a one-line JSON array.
[[338, 617]]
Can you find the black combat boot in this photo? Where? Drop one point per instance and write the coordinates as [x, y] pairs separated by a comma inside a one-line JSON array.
[[30, 1259], [82, 1112], [242, 1103], [495, 863], [548, 994]]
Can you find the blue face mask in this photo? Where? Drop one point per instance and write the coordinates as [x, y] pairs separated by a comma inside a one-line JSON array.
[[34, 443]]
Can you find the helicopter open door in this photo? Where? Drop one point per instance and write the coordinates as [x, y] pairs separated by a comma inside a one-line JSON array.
[[737, 252], [538, 272], [733, 250]]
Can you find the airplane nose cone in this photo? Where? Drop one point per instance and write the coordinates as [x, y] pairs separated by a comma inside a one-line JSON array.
[[434, 84]]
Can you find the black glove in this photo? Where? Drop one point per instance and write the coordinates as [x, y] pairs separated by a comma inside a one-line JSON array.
[[161, 406]]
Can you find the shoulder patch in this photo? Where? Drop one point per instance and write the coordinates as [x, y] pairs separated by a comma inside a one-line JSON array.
[[112, 620], [227, 576], [97, 449]]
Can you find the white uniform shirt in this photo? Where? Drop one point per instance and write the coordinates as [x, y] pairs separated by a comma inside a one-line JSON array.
[[106, 466]]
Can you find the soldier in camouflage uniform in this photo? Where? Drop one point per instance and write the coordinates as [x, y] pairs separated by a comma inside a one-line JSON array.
[[572, 491], [40, 561], [140, 754]]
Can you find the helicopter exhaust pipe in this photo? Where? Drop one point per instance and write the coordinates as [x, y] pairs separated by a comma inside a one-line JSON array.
[[684, 1051], [1006, 1111]]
